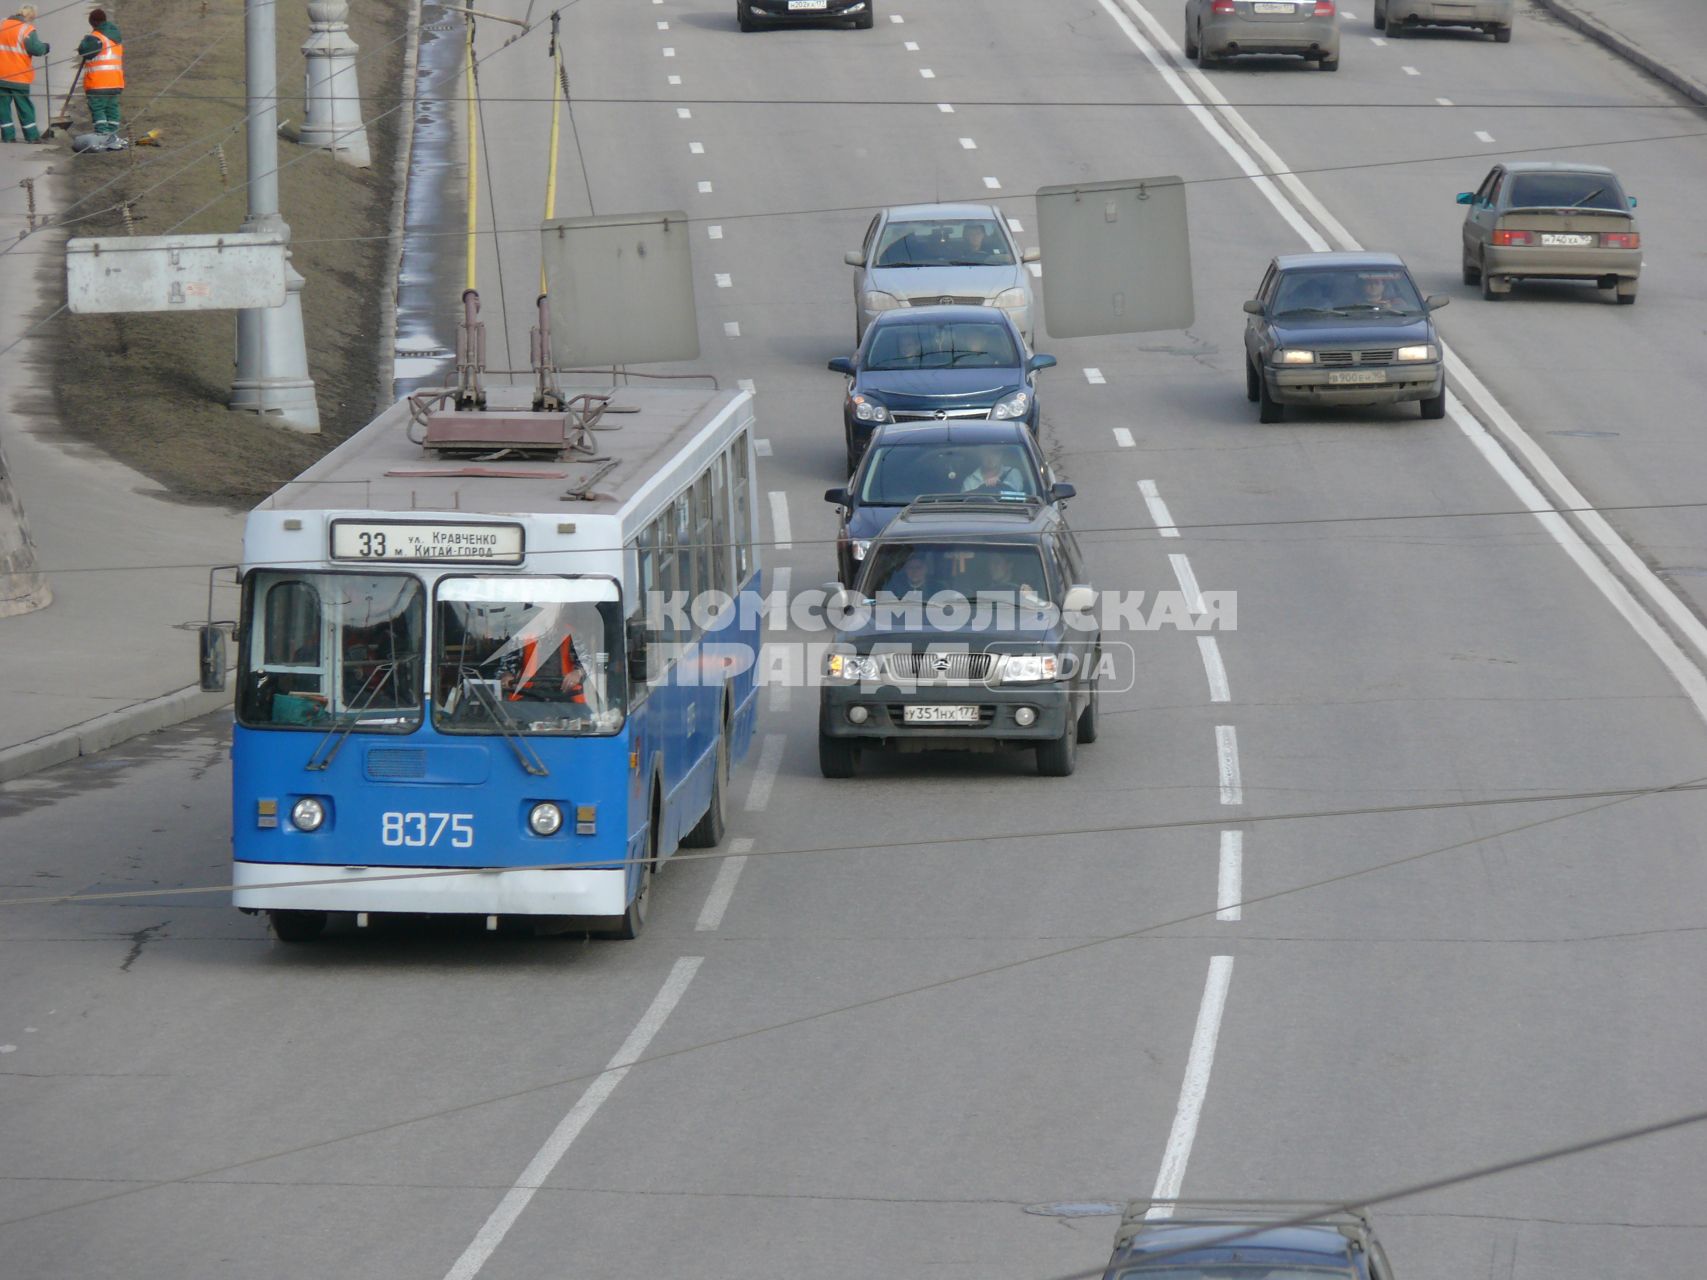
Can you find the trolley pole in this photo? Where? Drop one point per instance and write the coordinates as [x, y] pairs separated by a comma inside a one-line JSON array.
[[272, 353]]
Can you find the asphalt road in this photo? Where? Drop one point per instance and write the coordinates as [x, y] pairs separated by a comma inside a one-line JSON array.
[[988, 990]]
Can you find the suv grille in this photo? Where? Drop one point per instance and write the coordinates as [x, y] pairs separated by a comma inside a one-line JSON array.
[[1377, 356], [958, 668]]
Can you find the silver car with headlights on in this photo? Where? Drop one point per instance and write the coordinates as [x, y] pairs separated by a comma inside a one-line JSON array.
[[929, 255]]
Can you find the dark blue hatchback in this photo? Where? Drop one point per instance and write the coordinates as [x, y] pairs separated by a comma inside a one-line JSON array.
[[920, 364]]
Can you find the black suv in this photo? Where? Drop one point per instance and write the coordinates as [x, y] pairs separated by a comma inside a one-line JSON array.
[[1197, 1241], [970, 627]]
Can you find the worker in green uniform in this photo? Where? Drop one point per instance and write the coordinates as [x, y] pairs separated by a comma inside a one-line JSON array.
[[19, 47], [102, 51]]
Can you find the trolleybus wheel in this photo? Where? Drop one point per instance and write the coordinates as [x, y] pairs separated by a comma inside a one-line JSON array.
[[707, 833], [297, 926]]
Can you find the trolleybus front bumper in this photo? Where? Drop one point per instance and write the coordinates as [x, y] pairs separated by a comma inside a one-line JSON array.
[[285, 886]]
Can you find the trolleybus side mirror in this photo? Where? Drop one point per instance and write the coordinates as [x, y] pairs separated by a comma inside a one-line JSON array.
[[213, 659], [638, 651]]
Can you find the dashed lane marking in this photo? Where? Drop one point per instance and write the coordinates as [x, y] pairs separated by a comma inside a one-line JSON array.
[[1187, 582], [1230, 882], [764, 773], [1158, 509], [780, 530], [1214, 670], [1227, 761], [1193, 1089], [1123, 437], [1094, 377], [723, 887]]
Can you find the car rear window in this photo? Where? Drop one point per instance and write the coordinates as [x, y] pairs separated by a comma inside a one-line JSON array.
[[969, 344], [899, 473], [1566, 191]]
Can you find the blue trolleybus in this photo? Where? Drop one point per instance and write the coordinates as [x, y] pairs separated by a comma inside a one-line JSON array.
[[461, 686]]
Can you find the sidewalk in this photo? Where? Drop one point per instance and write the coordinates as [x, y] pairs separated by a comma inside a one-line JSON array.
[[108, 658], [1666, 38]]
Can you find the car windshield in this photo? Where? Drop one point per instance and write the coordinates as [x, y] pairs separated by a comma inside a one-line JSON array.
[[1236, 1271], [1344, 291], [332, 650], [528, 655], [970, 569], [898, 473], [1566, 191], [966, 344], [945, 242]]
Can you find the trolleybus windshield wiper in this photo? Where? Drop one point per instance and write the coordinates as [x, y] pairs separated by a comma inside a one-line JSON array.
[[341, 730], [525, 755]]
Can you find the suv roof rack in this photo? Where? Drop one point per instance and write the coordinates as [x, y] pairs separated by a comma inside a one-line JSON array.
[[980, 503], [1352, 1223]]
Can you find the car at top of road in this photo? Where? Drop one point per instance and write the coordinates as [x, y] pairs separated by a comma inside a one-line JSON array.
[[753, 14], [1398, 18], [922, 255], [1194, 1242], [1220, 29], [969, 628], [938, 363], [1342, 329], [1551, 220], [909, 460]]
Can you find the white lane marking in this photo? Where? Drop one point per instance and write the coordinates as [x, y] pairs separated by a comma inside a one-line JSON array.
[[663, 26], [704, 188], [8, 1048], [1187, 582], [732, 328], [1194, 1088], [927, 73], [682, 113], [1230, 883], [1377, 41], [1444, 102], [1015, 226], [992, 184], [895, 17], [748, 385], [697, 148], [1214, 670], [1227, 760], [1158, 509], [1410, 71], [762, 447], [780, 532], [675, 79], [911, 46], [714, 233], [1036, 269], [1094, 376], [723, 887], [497, 1226], [946, 108], [968, 145], [1348, 15], [669, 53], [780, 690], [723, 280], [1123, 437], [764, 773], [1482, 135]]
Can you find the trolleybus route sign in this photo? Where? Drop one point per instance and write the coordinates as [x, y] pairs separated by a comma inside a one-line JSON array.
[[422, 541]]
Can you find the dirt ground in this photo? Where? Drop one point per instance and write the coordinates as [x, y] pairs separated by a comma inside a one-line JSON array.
[[151, 388]]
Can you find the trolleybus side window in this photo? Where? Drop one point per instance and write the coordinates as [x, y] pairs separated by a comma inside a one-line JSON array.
[[706, 576], [743, 509], [722, 554]]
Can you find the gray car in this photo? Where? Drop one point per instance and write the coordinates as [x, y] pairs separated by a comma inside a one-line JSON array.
[[1217, 29], [1400, 17], [926, 255], [1544, 220]]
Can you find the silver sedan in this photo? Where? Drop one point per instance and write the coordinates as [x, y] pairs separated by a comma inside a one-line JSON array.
[[926, 255], [1217, 29]]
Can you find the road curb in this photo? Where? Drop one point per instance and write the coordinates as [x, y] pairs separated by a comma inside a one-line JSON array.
[[108, 730], [1599, 32]]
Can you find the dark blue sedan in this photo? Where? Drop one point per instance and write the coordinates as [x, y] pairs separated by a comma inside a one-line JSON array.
[[1342, 329], [919, 364]]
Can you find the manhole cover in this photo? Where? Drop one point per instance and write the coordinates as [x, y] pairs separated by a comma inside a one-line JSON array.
[[1078, 1209]]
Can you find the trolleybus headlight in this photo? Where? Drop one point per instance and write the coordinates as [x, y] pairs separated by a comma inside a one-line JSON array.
[[307, 814], [545, 819]]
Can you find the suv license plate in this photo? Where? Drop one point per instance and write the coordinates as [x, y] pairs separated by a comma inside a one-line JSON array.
[[939, 715], [1356, 377], [1565, 240], [1271, 6], [793, 5]]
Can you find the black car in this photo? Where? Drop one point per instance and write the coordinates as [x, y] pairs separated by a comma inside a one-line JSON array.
[[969, 628], [752, 14], [1193, 1241], [921, 363], [908, 460], [1342, 329]]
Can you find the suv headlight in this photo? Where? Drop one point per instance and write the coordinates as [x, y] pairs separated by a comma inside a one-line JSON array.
[[877, 300], [867, 410], [859, 546], [1424, 351], [1292, 355], [308, 814], [1010, 299], [1014, 406], [851, 666], [1030, 668]]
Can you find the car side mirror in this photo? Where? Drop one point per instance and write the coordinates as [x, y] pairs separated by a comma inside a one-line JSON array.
[[854, 258], [1632, 200], [1060, 491], [1253, 307], [837, 496], [212, 650], [639, 642], [1032, 254], [1080, 599], [1466, 197], [841, 364], [1435, 301], [1039, 362]]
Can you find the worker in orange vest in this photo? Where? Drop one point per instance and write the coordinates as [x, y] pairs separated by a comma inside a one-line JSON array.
[[102, 51], [518, 671], [19, 47]]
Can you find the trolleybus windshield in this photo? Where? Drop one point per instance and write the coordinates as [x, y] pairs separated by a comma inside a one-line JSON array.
[[528, 655], [328, 650]]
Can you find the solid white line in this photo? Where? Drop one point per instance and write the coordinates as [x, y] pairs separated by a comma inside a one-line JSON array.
[[911, 46], [1194, 1088], [723, 280], [1093, 375], [1482, 135], [1214, 669], [497, 1226], [1230, 884], [764, 773], [1227, 759], [968, 145], [1410, 71], [946, 108], [723, 887], [714, 233], [732, 328], [1187, 582], [1158, 509], [993, 184], [780, 532], [1123, 437]]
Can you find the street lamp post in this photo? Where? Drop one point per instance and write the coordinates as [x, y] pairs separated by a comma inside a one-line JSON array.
[[332, 117]]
